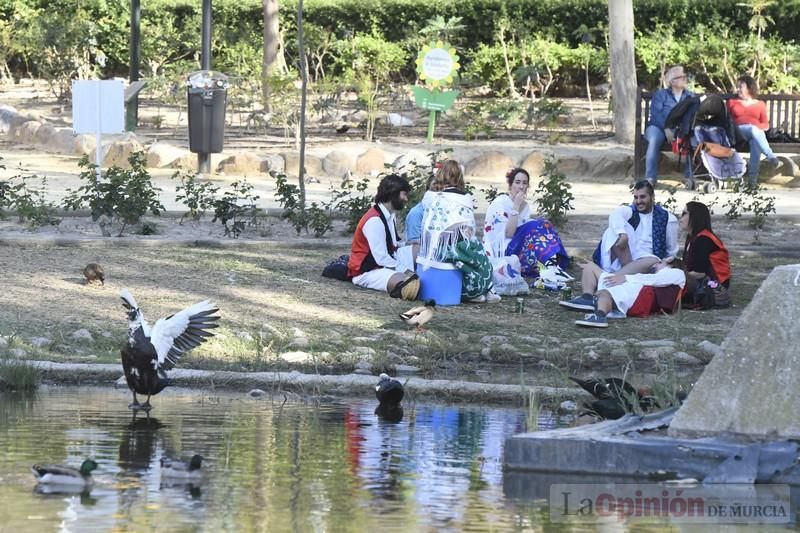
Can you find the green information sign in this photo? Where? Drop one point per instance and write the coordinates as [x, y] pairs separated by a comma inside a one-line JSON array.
[[437, 64]]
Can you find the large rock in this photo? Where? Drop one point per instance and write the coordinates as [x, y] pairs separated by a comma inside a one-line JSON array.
[[242, 163], [44, 133], [272, 163], [7, 114], [338, 162], [371, 162], [62, 141], [162, 154], [25, 133], [313, 164], [84, 144], [574, 166], [118, 152], [750, 389], [534, 164], [489, 165]]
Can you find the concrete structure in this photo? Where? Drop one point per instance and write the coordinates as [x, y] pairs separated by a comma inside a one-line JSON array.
[[751, 389]]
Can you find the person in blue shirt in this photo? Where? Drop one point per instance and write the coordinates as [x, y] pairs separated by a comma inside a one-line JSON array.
[[663, 101], [414, 219]]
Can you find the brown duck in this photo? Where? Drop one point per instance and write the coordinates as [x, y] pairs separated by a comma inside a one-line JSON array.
[[93, 273]]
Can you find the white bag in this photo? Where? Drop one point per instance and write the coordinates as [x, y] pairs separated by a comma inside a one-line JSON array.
[[507, 276]]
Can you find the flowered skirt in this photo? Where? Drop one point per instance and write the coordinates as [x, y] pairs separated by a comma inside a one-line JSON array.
[[537, 241]]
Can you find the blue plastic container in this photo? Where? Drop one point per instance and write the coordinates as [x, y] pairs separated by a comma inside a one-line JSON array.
[[440, 282]]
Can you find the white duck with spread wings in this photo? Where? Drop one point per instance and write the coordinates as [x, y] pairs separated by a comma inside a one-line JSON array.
[[151, 351]]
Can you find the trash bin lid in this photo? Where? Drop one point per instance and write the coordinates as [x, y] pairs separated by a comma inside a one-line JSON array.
[[207, 79]]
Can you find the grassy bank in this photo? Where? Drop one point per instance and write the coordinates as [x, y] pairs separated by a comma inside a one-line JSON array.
[[278, 313]]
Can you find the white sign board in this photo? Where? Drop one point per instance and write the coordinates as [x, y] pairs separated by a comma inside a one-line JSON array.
[[437, 64], [98, 106]]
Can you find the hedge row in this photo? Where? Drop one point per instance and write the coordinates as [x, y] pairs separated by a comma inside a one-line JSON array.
[[171, 28]]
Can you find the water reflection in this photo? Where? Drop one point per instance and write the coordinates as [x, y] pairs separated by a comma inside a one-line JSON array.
[[270, 467]]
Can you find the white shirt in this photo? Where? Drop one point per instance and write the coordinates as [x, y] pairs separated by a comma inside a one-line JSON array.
[[375, 233], [642, 245]]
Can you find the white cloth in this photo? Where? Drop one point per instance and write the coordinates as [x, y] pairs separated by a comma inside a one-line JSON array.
[[378, 279], [449, 217], [640, 240], [625, 294], [495, 241]]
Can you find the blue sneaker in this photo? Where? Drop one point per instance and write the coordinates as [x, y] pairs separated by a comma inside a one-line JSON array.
[[593, 321], [582, 303]]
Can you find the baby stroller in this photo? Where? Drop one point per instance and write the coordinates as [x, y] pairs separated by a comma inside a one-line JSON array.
[[712, 145]]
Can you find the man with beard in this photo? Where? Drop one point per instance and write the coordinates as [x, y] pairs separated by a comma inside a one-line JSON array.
[[638, 236], [377, 259]]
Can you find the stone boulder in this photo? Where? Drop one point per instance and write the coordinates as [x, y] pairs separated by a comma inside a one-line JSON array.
[[61, 141], [608, 167], [338, 162], [749, 390], [574, 166], [85, 144], [273, 163], [44, 133], [489, 165], [371, 162], [534, 164], [162, 154], [117, 153], [187, 161], [313, 164], [25, 133], [7, 114], [241, 163]]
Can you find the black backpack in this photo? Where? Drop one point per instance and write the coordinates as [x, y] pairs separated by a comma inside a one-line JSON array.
[[337, 269]]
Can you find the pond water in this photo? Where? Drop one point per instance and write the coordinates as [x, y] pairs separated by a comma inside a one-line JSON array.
[[272, 465]]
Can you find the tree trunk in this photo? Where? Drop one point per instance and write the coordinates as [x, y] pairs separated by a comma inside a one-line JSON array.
[[623, 69], [301, 53], [271, 47]]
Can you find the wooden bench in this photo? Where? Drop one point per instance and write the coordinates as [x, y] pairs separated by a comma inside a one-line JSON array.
[[782, 110]]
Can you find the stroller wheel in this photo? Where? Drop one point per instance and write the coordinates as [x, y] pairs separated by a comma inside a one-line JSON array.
[[710, 187], [690, 184]]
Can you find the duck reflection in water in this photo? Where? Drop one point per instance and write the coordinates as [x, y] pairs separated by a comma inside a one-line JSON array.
[[389, 413], [138, 444]]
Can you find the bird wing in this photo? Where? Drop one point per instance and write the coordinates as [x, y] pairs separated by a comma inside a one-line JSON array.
[[56, 470], [412, 312], [593, 386], [177, 334], [419, 318], [128, 301]]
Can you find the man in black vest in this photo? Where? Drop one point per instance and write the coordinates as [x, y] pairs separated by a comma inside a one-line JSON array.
[[379, 260]]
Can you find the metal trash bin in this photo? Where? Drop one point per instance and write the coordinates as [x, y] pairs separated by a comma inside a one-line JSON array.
[[207, 92]]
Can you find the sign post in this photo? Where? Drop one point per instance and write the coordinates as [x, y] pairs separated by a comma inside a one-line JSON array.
[[437, 63], [98, 106]]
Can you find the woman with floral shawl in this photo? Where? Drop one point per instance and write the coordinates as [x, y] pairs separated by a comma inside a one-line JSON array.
[[510, 230], [448, 233]]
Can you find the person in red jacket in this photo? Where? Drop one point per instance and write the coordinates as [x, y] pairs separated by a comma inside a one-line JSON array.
[[704, 254], [378, 258], [750, 116]]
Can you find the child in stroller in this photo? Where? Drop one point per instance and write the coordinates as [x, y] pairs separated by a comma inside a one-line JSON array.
[[712, 146]]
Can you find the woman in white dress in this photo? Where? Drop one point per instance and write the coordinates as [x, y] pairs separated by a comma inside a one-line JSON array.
[[511, 230]]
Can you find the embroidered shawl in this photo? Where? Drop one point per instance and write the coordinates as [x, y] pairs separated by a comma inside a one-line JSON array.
[[449, 218]]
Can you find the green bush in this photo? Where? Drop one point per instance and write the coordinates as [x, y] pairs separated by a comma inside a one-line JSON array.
[[122, 195], [237, 208], [197, 196], [553, 195]]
